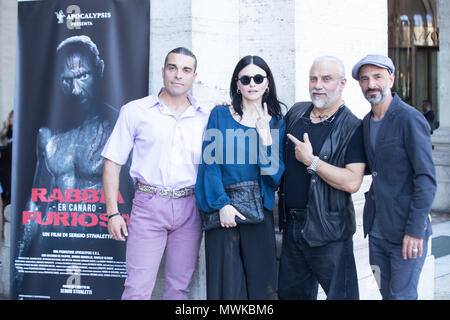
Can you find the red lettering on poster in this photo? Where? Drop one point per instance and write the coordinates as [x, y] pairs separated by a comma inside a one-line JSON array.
[[71, 195], [73, 219]]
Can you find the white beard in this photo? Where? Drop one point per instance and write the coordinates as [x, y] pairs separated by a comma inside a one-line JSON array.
[[328, 100]]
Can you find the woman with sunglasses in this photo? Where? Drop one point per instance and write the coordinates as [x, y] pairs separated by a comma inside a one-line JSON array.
[[241, 258]]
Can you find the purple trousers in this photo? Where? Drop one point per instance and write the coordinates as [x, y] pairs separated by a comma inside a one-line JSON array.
[[161, 224]]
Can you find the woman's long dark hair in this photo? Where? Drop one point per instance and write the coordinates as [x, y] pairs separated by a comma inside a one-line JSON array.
[[273, 104]]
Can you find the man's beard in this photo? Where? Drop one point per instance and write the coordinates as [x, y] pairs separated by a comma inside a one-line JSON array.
[[375, 100], [328, 100]]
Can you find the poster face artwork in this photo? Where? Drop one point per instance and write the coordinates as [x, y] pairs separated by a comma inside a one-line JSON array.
[[77, 65]]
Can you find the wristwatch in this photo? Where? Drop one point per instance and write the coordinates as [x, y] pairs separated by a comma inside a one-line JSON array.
[[312, 168]]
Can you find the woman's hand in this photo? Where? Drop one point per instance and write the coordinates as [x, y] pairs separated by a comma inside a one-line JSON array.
[[263, 124], [227, 216]]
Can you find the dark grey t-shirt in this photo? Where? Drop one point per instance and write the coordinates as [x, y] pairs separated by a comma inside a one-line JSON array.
[[374, 128]]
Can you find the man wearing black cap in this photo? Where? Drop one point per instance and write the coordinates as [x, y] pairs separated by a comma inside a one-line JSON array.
[[398, 148]]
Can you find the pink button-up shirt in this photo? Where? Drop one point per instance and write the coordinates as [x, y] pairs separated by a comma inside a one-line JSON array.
[[165, 150]]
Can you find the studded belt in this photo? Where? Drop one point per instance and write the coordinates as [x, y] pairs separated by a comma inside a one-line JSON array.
[[180, 193]]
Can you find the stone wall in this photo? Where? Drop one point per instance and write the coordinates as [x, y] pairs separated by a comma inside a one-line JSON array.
[[5, 248], [8, 28], [347, 29], [267, 29], [441, 137]]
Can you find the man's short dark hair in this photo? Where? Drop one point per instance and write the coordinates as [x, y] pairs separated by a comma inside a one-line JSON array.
[[184, 51]]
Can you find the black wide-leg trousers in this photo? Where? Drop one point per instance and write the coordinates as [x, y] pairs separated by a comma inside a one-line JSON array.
[[241, 261]]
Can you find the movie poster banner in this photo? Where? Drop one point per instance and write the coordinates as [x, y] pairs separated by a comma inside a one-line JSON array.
[[78, 62]]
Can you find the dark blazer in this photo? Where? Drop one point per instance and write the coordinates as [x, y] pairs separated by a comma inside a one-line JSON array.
[[429, 115], [403, 173]]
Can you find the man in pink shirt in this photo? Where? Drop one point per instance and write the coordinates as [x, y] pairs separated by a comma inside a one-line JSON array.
[[164, 134]]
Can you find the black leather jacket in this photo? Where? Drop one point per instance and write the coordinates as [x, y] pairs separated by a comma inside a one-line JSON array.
[[330, 215]]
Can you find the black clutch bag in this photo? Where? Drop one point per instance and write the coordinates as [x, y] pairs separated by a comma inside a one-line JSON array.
[[246, 197]]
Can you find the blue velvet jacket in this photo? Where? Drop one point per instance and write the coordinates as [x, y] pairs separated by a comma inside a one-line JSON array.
[[226, 159]]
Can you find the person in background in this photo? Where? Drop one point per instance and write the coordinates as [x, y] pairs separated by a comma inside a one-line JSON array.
[[6, 139], [428, 113], [6, 132]]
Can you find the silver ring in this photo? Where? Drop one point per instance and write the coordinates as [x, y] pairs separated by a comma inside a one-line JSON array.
[[113, 235], [415, 250]]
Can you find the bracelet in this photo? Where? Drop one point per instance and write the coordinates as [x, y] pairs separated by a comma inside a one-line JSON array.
[[114, 214]]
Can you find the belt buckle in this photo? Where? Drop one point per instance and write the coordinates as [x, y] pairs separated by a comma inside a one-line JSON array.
[[181, 193], [147, 189], [166, 193], [178, 193]]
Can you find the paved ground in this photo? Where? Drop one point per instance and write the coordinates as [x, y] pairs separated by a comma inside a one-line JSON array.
[[440, 248], [441, 251]]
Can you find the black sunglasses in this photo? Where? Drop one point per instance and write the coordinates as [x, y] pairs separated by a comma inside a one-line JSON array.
[[257, 78]]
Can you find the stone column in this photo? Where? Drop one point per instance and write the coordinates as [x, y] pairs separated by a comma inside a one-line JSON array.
[[267, 29], [8, 28], [170, 27], [5, 249], [211, 31], [441, 136], [8, 31]]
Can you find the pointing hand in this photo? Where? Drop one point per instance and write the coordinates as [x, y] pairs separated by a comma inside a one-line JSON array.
[[303, 150]]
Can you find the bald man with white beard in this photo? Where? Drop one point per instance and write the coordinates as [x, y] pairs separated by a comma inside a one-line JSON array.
[[325, 163]]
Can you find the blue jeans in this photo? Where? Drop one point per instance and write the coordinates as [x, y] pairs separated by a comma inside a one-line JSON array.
[[397, 278], [303, 267]]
